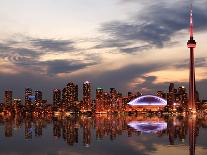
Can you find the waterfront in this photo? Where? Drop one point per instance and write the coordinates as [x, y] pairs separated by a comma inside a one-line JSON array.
[[102, 134]]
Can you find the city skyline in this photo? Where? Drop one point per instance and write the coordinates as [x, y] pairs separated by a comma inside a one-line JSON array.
[[103, 77], [36, 53]]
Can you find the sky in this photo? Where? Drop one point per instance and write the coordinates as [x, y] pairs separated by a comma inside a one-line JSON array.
[[132, 45]]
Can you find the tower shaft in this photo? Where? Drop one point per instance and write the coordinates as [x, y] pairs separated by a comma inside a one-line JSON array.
[[192, 82]]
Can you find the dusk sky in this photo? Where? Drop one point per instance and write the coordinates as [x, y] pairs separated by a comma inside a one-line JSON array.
[[132, 45]]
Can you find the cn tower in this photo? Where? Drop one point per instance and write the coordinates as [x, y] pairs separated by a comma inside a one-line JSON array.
[[191, 45]]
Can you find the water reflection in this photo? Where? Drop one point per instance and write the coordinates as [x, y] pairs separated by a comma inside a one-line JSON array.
[[80, 129], [148, 127]]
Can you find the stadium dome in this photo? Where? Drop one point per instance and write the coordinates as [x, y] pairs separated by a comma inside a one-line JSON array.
[[148, 100]]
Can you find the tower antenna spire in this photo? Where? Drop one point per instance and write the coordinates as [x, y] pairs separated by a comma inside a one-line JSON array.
[[191, 21]]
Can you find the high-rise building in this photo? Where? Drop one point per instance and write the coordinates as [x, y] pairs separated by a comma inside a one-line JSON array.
[[183, 97], [191, 44], [86, 106], [27, 94], [114, 97], [71, 92], [161, 94], [17, 102], [76, 93], [99, 100], [17, 105], [8, 97], [64, 96], [38, 98], [56, 97], [171, 87], [70, 95]]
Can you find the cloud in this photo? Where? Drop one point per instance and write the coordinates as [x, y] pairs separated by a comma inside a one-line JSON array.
[[24, 54], [65, 66], [199, 62], [53, 45], [153, 26]]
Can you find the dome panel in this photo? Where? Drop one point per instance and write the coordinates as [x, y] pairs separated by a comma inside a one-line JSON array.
[[148, 100]]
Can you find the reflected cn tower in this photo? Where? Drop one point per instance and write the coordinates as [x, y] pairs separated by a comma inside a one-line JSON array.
[[191, 44]]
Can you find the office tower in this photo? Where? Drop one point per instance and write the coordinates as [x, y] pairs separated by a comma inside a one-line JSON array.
[[171, 87], [183, 97], [107, 102], [70, 96], [71, 92], [8, 98], [99, 100], [64, 96], [86, 106], [76, 93], [56, 97], [17, 104], [27, 94], [191, 44], [171, 95], [113, 96], [38, 98], [17, 101], [161, 94]]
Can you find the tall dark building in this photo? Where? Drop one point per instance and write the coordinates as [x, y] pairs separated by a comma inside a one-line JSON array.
[[114, 97], [99, 99], [76, 93], [8, 97], [56, 97], [64, 96], [86, 96], [38, 98], [17, 104], [70, 95], [27, 94], [192, 89], [171, 87], [71, 92]]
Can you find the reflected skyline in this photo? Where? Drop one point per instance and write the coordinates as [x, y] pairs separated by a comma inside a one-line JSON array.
[[84, 131]]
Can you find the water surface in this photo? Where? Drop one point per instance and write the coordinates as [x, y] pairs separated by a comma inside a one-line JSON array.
[[103, 135]]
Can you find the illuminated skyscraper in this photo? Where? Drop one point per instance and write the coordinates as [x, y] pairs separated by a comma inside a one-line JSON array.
[[27, 94], [8, 97], [171, 87], [99, 99], [38, 98], [64, 96], [113, 96], [76, 92], [86, 96], [191, 44], [70, 95], [56, 97], [17, 102], [17, 105], [71, 92]]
